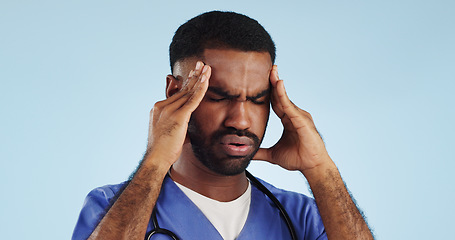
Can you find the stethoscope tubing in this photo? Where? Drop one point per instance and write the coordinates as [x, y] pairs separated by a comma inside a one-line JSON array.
[[256, 183], [277, 203]]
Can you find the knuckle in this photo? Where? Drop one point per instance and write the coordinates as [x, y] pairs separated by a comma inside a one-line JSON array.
[[307, 114], [158, 105]]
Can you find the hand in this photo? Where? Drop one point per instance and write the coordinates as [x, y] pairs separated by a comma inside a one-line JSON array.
[[169, 118], [300, 147]]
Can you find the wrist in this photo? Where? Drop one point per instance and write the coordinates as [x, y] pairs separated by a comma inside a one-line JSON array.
[[151, 171], [320, 172], [156, 161]]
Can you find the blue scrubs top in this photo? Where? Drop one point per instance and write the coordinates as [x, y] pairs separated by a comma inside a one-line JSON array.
[[177, 213]]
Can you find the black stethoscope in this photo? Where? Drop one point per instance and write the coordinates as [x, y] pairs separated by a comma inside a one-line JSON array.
[[259, 185]]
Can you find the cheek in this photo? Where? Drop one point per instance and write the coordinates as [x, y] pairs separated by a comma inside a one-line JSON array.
[[208, 116], [260, 116]]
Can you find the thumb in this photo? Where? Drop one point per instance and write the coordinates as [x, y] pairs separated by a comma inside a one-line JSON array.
[[263, 154]]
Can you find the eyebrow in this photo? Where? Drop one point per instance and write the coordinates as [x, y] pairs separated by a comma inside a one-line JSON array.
[[223, 93]]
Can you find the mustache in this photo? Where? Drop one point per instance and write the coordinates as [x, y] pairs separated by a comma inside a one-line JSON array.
[[232, 131]]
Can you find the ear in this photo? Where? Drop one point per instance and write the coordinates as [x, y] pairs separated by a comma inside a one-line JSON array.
[[173, 85]]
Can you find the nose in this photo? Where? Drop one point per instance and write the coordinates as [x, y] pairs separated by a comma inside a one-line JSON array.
[[238, 116]]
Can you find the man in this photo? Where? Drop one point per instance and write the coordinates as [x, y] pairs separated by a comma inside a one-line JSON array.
[[202, 138]]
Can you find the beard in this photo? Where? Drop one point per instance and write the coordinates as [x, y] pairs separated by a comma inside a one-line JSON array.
[[206, 149]]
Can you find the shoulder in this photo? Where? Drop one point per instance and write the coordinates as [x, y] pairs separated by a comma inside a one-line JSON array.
[[106, 192], [289, 197], [302, 210], [100, 198], [95, 205]]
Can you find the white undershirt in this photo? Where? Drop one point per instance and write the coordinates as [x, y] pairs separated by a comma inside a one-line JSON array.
[[227, 217]]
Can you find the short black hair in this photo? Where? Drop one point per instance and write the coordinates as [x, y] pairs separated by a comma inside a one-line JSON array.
[[219, 30]]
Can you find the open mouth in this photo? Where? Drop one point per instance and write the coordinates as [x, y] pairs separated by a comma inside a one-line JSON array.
[[234, 145], [237, 144]]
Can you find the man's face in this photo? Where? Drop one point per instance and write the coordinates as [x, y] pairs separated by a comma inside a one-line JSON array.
[[227, 128]]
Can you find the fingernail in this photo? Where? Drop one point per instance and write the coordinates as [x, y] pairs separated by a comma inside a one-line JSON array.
[[205, 69], [203, 78], [198, 65], [191, 73]]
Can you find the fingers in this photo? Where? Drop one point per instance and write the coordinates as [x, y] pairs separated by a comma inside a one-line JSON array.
[[283, 106], [188, 83], [274, 75], [195, 85], [286, 105], [281, 103], [262, 154], [265, 154], [198, 90], [169, 118], [276, 104]]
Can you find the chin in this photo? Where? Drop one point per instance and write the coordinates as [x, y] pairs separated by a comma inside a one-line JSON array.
[[226, 166], [233, 167]]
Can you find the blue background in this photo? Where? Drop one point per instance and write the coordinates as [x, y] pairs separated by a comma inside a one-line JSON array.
[[78, 79]]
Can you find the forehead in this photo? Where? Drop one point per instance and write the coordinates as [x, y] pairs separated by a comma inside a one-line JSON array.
[[238, 72]]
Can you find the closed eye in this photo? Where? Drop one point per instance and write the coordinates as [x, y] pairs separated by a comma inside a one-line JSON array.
[[257, 102], [223, 99], [217, 99]]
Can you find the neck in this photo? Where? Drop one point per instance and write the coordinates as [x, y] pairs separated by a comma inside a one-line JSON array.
[[192, 174]]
